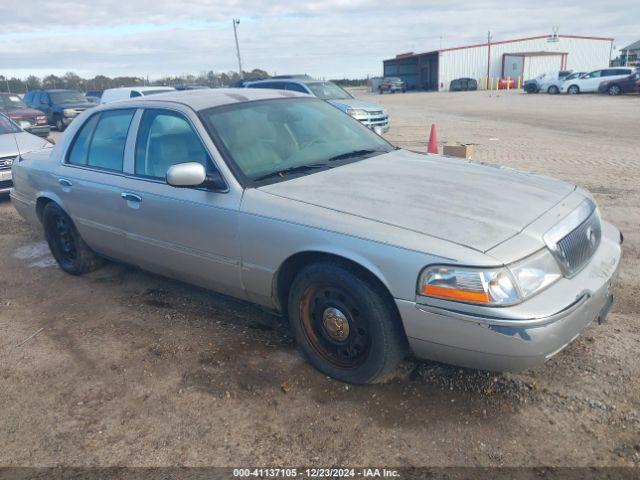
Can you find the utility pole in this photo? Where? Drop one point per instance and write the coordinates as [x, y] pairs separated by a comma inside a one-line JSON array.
[[488, 58], [235, 34]]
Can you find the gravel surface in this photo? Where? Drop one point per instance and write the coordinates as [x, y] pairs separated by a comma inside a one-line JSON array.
[[128, 368]]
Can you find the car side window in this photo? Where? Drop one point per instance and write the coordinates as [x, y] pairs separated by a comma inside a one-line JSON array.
[[596, 74], [295, 87], [80, 148], [106, 148], [166, 138], [134, 94]]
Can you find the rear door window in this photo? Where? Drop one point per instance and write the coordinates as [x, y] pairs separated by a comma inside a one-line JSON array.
[[106, 149], [80, 148]]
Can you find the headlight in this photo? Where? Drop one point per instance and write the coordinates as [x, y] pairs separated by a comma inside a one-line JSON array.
[[470, 285], [535, 272], [40, 120], [491, 286], [24, 123], [69, 112], [356, 112]]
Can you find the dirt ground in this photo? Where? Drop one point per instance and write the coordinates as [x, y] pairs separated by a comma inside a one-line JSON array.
[[128, 368]]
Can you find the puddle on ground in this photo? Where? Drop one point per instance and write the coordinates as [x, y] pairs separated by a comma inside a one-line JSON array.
[[37, 254]]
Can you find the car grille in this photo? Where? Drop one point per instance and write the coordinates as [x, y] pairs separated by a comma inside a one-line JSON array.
[[6, 184], [575, 249], [6, 162]]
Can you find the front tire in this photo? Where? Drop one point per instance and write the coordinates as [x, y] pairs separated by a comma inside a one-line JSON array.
[[615, 90], [553, 90], [60, 126], [346, 325], [573, 90], [67, 247]]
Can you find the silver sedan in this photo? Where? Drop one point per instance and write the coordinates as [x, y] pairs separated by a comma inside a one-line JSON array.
[[374, 253]]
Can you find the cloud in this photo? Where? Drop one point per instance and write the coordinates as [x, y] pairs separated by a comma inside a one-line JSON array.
[[329, 38]]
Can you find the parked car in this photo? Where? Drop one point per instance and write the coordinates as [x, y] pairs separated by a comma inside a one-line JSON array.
[[550, 82], [14, 141], [370, 114], [623, 85], [591, 81], [191, 87], [125, 93], [94, 95], [31, 120], [373, 252], [392, 85], [60, 106], [463, 85]]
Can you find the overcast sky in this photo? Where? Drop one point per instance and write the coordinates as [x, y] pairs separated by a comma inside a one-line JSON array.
[[324, 38]]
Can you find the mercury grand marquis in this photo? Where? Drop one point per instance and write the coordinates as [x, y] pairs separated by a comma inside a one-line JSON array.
[[373, 252]]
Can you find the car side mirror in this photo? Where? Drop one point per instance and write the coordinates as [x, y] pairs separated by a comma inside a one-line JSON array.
[[193, 174]]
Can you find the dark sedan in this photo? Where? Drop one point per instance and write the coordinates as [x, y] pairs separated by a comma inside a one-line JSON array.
[[32, 120], [463, 84], [619, 86]]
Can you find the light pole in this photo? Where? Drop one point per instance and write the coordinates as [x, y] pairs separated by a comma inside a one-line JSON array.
[[235, 34]]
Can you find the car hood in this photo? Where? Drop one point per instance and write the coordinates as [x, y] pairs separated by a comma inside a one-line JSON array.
[[14, 144], [22, 112], [471, 204], [344, 104], [77, 105]]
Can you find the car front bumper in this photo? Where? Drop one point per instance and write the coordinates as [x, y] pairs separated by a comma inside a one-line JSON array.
[[523, 336], [6, 182]]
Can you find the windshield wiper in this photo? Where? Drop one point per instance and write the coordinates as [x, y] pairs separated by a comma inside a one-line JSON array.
[[354, 153], [291, 170]]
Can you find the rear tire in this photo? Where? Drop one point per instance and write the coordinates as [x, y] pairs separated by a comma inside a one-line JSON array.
[[615, 90], [346, 325], [65, 243], [60, 126], [573, 90]]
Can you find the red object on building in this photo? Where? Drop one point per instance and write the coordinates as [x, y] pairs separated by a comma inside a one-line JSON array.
[[502, 83], [432, 147]]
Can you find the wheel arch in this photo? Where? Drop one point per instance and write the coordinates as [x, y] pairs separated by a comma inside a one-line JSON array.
[[43, 199], [290, 267]]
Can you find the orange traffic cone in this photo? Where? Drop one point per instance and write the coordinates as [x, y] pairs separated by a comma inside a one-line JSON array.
[[432, 147]]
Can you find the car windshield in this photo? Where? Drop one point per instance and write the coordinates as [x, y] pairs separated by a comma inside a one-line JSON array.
[[279, 138], [7, 126], [61, 98], [574, 76], [11, 101], [393, 79], [328, 91]]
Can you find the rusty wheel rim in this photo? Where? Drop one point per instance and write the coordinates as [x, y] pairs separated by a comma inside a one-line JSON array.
[[335, 325]]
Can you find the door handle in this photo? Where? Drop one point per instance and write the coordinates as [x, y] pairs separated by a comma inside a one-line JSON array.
[[130, 197], [64, 182]]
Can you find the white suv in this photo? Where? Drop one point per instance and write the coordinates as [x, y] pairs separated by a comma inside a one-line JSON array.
[[591, 81]]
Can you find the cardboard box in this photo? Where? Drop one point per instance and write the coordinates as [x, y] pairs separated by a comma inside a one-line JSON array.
[[462, 151]]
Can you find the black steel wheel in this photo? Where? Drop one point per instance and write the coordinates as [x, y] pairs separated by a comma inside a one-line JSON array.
[[345, 324], [67, 247]]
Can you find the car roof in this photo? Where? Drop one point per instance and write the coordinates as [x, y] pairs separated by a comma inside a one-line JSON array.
[[203, 99], [139, 89]]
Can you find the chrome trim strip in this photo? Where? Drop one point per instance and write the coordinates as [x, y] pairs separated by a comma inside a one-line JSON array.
[[490, 320]]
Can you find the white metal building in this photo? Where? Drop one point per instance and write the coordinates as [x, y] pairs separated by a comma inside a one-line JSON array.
[[522, 58]]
